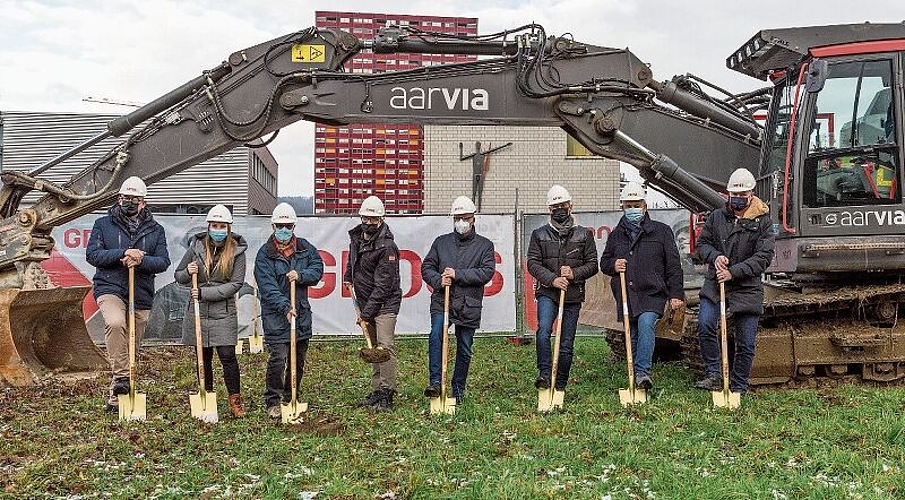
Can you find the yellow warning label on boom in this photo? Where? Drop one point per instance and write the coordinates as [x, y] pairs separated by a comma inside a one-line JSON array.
[[306, 53]]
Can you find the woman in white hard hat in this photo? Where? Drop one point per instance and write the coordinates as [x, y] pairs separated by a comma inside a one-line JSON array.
[[285, 258], [217, 256], [737, 242], [128, 236]]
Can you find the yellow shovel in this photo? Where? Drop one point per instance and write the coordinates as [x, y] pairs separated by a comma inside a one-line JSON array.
[[203, 404], [255, 340], [444, 404], [724, 398], [632, 395], [239, 343], [548, 399], [132, 406], [294, 411]]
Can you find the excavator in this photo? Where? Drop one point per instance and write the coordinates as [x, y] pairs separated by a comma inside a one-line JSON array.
[[827, 162]]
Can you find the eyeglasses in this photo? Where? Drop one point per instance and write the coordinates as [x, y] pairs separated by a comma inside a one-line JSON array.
[[370, 220], [284, 226], [457, 218], [132, 199]]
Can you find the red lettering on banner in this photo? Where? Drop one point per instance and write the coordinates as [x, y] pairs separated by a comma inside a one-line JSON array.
[[328, 281], [75, 238], [415, 261], [603, 231], [496, 283]]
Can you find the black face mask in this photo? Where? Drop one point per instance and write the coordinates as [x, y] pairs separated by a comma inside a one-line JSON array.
[[738, 203], [369, 229], [129, 208], [560, 215]]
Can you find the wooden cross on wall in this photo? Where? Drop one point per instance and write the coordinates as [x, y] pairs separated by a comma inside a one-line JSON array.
[[480, 164]]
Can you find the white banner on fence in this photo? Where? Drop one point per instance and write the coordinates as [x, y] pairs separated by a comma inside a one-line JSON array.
[[332, 308]]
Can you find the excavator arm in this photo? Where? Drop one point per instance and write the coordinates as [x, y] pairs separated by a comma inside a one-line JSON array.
[[683, 141]]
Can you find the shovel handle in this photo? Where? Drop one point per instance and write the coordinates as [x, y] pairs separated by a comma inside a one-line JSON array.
[[292, 344], [365, 327], [132, 347], [628, 333], [445, 343], [724, 342], [198, 346], [254, 316]]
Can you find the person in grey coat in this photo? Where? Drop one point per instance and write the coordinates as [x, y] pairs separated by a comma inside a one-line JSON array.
[[218, 258]]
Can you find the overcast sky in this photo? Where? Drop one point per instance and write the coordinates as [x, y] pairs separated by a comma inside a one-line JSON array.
[[55, 53]]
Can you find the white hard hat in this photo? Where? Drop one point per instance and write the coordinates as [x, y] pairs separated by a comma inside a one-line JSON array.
[[371, 207], [463, 205], [283, 214], [557, 194], [632, 191], [134, 186], [219, 214], [740, 181]]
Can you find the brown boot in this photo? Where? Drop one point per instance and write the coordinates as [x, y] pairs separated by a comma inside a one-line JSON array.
[[235, 406]]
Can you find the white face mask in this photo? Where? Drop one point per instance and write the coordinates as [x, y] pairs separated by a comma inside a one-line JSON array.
[[462, 226]]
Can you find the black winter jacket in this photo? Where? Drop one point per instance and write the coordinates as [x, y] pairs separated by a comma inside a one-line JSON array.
[[548, 251], [270, 274], [108, 243], [653, 271], [373, 269], [472, 258], [748, 243]]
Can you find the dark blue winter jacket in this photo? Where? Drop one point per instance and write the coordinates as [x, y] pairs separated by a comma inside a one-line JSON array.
[[109, 240], [472, 258], [653, 271], [270, 273]]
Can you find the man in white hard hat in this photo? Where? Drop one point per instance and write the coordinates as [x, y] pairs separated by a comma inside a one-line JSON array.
[[562, 255], [128, 236], [373, 271], [285, 258], [737, 242], [464, 261], [645, 250]]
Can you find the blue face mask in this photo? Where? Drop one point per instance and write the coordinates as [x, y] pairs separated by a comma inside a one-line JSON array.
[[634, 215], [283, 234], [217, 235]]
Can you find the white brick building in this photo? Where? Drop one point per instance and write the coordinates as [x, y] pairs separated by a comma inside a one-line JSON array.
[[536, 160]]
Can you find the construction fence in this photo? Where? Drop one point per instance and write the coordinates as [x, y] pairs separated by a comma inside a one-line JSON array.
[[509, 305]]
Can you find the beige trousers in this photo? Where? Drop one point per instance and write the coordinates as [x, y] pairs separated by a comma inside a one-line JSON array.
[[116, 333], [384, 374]]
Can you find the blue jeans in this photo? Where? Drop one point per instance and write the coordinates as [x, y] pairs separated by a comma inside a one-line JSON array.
[[643, 337], [709, 338], [464, 339], [546, 316]]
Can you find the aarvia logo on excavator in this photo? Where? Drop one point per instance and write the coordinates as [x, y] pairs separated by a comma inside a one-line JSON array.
[[861, 218], [439, 98]]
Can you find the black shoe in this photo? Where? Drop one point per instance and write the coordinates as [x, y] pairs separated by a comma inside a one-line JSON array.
[[121, 386], [710, 383], [644, 382], [560, 387], [385, 404], [460, 399], [542, 383], [432, 391], [111, 408], [369, 400]]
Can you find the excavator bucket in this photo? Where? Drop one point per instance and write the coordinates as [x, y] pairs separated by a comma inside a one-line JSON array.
[[42, 333]]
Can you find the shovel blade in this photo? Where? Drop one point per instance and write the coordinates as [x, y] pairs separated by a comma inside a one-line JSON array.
[[549, 399], [374, 355], [132, 408], [630, 397], [255, 344], [204, 407], [443, 406], [726, 399], [239, 347], [293, 413]]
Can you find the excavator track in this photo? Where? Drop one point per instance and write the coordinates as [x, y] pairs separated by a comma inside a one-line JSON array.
[[822, 338]]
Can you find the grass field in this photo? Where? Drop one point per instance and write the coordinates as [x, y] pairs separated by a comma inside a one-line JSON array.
[[845, 442]]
